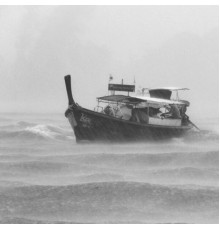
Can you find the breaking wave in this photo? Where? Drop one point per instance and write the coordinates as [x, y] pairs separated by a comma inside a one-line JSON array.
[[25, 130]]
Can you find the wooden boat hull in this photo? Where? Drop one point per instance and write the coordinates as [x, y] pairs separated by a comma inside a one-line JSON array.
[[91, 125]]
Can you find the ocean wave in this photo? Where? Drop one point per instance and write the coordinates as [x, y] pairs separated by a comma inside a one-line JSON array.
[[112, 202], [60, 173], [194, 163], [18, 220], [26, 131], [189, 172], [34, 167], [206, 159], [5, 184], [196, 176]]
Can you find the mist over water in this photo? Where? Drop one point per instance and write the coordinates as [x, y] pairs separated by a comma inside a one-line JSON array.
[[45, 177]]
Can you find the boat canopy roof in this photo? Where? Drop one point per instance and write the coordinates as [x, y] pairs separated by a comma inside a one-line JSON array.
[[152, 100], [122, 99], [139, 99], [163, 93], [168, 88]]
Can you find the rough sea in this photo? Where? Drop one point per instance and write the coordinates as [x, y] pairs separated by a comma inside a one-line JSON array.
[[45, 177]]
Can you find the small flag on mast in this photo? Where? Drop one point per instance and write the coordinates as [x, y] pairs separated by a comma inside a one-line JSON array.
[[110, 78]]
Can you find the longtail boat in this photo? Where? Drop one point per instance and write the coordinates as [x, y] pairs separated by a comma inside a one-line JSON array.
[[151, 115]]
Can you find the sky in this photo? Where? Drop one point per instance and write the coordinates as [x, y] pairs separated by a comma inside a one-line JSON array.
[[158, 45]]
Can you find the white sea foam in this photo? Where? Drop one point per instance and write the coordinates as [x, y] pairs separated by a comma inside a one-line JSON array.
[[42, 130]]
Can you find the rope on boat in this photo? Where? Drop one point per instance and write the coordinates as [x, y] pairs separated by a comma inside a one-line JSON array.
[[194, 125]]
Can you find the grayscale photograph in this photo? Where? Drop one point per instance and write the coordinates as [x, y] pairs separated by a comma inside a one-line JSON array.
[[109, 114]]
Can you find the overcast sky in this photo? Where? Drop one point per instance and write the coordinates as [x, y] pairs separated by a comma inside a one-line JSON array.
[[159, 45]]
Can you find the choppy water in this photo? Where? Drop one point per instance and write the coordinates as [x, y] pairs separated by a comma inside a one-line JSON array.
[[45, 177]]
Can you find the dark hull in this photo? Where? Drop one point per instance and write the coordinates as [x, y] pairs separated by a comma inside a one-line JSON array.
[[90, 125]]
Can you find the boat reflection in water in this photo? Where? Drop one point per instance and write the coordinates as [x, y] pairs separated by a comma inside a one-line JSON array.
[[151, 115]]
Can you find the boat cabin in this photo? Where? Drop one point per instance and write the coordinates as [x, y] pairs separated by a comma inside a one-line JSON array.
[[153, 106]]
